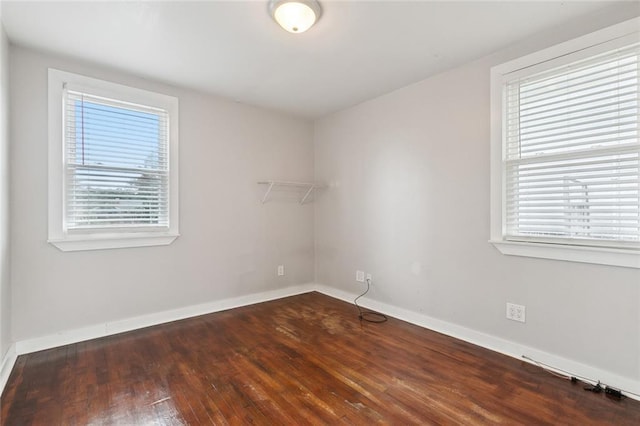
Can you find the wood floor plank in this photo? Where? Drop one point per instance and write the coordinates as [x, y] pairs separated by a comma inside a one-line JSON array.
[[304, 360]]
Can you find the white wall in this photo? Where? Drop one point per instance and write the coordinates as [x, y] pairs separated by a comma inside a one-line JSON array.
[[230, 243], [409, 203], [5, 285]]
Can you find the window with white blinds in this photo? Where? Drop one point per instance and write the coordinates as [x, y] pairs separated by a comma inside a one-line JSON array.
[[572, 152], [565, 150], [113, 164], [116, 163]]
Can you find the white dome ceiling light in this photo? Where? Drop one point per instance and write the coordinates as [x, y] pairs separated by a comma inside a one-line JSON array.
[[295, 16]]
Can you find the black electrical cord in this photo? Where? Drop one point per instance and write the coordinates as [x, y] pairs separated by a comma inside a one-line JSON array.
[[368, 316], [595, 386]]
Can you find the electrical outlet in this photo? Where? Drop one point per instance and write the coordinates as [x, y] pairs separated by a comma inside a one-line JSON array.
[[280, 270], [369, 278], [360, 276], [515, 312]]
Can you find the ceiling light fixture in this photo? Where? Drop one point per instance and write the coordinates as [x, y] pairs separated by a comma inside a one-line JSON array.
[[295, 16]]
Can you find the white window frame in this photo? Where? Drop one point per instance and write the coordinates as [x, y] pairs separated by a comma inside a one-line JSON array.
[[107, 239], [569, 51]]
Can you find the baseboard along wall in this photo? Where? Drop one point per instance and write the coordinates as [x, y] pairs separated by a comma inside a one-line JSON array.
[[484, 340], [8, 361]]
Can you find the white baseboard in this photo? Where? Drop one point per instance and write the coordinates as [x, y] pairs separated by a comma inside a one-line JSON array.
[[129, 324], [8, 361], [487, 341], [490, 342]]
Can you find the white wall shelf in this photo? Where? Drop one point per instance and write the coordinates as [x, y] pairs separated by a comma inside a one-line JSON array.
[[306, 188]]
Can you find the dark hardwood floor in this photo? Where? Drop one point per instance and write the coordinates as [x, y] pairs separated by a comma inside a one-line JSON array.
[[300, 360]]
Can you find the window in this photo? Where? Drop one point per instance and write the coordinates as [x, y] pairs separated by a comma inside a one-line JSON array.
[[112, 165], [566, 150]]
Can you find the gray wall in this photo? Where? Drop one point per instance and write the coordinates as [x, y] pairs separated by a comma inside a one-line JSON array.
[[230, 243], [409, 203], [5, 285]]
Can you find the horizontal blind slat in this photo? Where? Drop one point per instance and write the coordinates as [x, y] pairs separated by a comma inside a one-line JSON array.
[[567, 94], [572, 152], [578, 140], [611, 70], [605, 104], [577, 101], [621, 114], [117, 163]]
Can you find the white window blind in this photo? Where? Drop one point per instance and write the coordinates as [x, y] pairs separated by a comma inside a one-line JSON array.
[[572, 152], [116, 164]]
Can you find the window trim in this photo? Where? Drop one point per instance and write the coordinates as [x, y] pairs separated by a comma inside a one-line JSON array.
[[107, 239], [615, 256]]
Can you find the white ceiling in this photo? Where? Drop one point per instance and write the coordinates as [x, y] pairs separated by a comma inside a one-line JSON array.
[[357, 51]]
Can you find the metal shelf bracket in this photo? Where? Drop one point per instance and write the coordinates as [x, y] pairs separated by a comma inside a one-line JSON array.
[[307, 187]]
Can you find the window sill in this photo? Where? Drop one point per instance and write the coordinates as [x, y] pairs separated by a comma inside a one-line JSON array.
[[101, 242], [597, 255]]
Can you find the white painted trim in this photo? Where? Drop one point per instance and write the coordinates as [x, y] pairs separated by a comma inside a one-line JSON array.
[[99, 242], [487, 341], [597, 255], [8, 361], [600, 41], [135, 323], [102, 239]]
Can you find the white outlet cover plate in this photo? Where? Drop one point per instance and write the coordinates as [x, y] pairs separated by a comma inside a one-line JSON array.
[[516, 312], [360, 276]]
